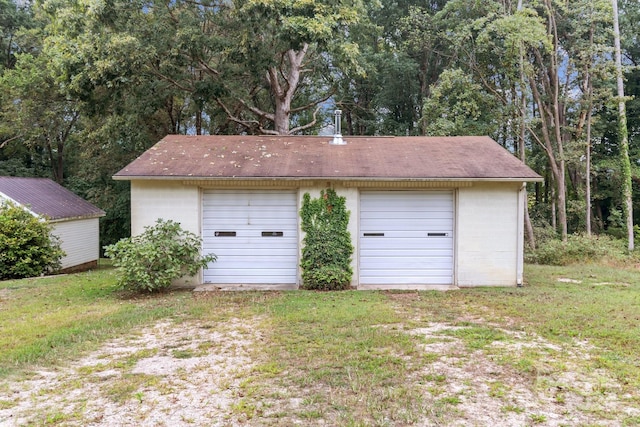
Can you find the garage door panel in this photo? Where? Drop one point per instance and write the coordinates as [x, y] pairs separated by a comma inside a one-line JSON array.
[[406, 237], [260, 261], [408, 275], [403, 252], [404, 231], [427, 224], [409, 263], [251, 230], [230, 211], [432, 279], [241, 247], [254, 235], [406, 197], [395, 242], [249, 278]]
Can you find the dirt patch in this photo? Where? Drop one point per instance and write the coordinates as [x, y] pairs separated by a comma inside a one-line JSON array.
[[170, 374], [520, 380], [189, 373]]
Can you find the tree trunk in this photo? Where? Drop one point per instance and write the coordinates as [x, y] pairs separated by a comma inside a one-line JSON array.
[[587, 171], [284, 88], [623, 134], [528, 227]]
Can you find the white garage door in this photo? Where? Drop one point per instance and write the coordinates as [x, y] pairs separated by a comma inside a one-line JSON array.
[[253, 233], [406, 237]]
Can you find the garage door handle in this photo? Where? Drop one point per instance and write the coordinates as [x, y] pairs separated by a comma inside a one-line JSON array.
[[272, 234], [225, 234], [437, 234], [373, 234]]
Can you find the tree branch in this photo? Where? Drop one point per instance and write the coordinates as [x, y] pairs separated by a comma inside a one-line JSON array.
[[308, 125], [246, 123], [4, 143], [316, 102], [258, 112]]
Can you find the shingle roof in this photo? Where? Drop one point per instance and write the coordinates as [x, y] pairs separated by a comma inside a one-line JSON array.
[[47, 198], [299, 157]]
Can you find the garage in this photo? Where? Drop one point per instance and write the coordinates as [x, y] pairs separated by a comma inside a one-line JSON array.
[[253, 233], [406, 237], [426, 212]]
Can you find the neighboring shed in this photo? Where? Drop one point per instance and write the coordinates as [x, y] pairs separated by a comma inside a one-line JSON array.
[[425, 211], [74, 220]]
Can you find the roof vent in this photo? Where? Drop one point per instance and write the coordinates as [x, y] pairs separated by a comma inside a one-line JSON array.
[[337, 133]]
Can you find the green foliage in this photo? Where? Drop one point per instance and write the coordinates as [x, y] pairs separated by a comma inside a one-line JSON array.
[[326, 255], [327, 278], [459, 106], [164, 252], [27, 247], [577, 249]]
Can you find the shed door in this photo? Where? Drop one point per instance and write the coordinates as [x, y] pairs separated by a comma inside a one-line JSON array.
[[406, 237], [253, 233]]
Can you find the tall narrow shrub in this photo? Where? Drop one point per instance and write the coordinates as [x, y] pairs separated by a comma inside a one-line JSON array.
[[327, 248]]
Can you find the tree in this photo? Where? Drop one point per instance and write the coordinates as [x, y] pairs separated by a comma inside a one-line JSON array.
[[40, 110], [459, 106], [286, 50], [12, 18], [622, 131]]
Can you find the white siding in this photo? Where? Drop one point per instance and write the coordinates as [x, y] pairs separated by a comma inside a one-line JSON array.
[[406, 238], [172, 200], [254, 234], [151, 200], [80, 239], [487, 231]]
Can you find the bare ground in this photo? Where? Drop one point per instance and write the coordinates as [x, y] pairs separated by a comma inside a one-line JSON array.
[[185, 373]]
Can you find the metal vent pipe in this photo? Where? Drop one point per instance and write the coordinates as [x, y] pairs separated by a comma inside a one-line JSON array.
[[337, 131]]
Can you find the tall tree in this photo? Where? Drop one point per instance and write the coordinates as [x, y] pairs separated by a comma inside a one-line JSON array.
[[623, 133], [41, 112], [285, 47]]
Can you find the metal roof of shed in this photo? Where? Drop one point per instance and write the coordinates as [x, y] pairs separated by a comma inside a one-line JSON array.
[[302, 157], [47, 198]]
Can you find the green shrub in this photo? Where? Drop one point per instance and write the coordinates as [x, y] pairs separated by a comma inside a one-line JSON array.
[[577, 248], [326, 278], [326, 254], [544, 234], [27, 247], [152, 260]]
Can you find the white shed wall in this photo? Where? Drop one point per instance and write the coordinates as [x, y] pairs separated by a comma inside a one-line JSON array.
[[487, 234], [80, 239], [151, 200]]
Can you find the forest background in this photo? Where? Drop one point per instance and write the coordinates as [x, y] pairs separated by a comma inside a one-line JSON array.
[[88, 85]]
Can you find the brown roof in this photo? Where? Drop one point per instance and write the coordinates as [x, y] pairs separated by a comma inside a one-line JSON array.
[[299, 157], [47, 198]]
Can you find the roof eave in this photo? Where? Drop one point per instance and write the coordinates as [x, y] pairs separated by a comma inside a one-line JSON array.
[[315, 178], [75, 218]]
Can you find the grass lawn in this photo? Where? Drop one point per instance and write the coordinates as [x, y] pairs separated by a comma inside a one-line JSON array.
[[366, 358]]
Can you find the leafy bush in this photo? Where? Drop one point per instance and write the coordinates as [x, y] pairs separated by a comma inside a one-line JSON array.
[[326, 255], [544, 234], [27, 247], [152, 260], [577, 248], [326, 278]]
